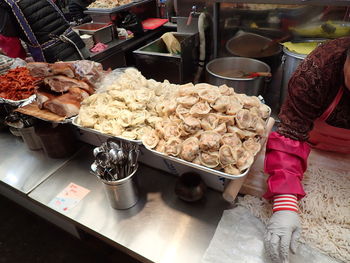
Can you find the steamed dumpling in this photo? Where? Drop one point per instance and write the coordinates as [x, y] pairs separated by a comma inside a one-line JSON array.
[[150, 139], [231, 139], [173, 146], [252, 146], [190, 149], [228, 155], [209, 159], [200, 108], [209, 141]]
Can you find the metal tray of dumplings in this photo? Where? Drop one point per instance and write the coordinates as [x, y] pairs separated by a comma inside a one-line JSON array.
[[200, 167], [207, 169], [74, 122]]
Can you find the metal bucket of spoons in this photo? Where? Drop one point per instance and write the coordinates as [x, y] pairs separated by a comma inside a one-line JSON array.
[[116, 165]]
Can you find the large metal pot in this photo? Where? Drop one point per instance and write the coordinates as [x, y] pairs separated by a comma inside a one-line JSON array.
[[291, 61], [217, 70], [249, 45]]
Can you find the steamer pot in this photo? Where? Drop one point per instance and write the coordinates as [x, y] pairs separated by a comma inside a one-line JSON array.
[[217, 69]]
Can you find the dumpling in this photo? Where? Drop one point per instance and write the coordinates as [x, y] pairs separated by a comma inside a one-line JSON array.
[[228, 119], [131, 134], [241, 133], [221, 129], [190, 149], [141, 131], [173, 146], [249, 101], [87, 117], [209, 95], [191, 124], [186, 89], [139, 118], [231, 169], [231, 139], [209, 159], [209, 141], [200, 108], [150, 139], [221, 103], [152, 120], [228, 155], [233, 107], [117, 130], [125, 118], [197, 160], [182, 111], [171, 129], [245, 159], [243, 119], [104, 126], [188, 101], [252, 146], [226, 90], [210, 122], [161, 146], [264, 111]]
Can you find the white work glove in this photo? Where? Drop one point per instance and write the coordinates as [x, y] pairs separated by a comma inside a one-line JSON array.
[[283, 232]]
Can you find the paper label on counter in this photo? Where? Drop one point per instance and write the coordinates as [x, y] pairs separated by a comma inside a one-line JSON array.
[[68, 197]]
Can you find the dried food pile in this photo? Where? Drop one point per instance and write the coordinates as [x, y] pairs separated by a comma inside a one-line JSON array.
[[17, 84], [108, 3], [65, 85], [204, 124]]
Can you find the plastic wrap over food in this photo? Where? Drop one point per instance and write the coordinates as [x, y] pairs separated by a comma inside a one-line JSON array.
[[239, 238], [109, 78]]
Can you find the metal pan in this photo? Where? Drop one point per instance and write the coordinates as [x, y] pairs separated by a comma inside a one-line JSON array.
[[199, 167], [203, 168], [74, 122]]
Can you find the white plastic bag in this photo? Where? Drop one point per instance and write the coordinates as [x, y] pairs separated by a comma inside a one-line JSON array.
[[239, 239]]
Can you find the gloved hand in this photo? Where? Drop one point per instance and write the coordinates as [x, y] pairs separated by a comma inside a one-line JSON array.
[[283, 232]]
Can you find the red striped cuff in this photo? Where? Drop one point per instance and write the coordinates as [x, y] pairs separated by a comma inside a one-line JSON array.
[[285, 202]]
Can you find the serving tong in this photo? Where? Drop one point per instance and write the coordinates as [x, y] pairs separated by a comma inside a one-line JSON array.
[[115, 160]]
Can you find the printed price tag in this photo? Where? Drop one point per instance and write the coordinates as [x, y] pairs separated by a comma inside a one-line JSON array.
[[68, 197]]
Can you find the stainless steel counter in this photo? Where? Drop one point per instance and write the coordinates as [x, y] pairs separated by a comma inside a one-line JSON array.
[[22, 168], [160, 228]]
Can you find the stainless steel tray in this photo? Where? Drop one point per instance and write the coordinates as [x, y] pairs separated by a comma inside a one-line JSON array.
[[18, 103], [199, 167], [115, 9], [74, 122]]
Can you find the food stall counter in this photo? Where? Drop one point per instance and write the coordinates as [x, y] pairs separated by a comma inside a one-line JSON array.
[[159, 228], [22, 168]]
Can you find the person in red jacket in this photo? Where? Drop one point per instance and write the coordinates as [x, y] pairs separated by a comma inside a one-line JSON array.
[[316, 114]]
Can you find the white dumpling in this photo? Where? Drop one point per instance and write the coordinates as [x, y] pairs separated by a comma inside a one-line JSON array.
[[173, 146], [188, 101], [231, 169], [231, 139], [252, 146], [209, 141], [190, 149], [191, 124], [243, 134], [226, 90], [221, 128], [209, 159], [221, 103], [245, 159], [150, 139], [210, 122], [200, 108], [209, 95], [243, 119], [228, 155]]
